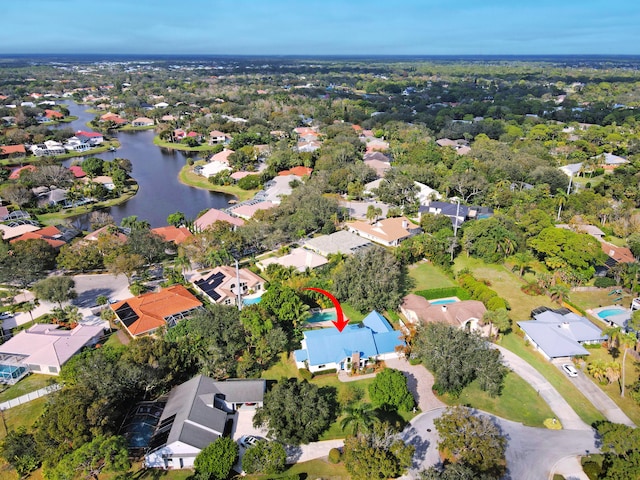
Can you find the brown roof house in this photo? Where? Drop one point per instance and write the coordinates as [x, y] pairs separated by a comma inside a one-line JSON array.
[[465, 315], [388, 232], [146, 313]]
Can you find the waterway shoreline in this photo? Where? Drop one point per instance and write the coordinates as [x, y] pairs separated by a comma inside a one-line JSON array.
[[187, 177]]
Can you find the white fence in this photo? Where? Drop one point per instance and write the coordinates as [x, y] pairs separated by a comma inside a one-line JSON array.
[[14, 402]]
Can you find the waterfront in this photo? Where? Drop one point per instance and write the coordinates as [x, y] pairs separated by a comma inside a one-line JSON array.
[[156, 170]]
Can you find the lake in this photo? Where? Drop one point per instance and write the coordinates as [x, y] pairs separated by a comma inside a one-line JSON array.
[[156, 170]]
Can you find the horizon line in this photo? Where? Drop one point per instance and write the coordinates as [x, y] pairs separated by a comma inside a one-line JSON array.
[[345, 55]]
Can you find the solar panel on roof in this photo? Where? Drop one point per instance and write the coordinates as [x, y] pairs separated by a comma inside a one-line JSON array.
[[126, 314], [208, 285]]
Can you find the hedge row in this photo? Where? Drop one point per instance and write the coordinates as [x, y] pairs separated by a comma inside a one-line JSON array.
[[435, 293], [480, 291]]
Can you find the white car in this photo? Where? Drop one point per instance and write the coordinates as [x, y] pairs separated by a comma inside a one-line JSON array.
[[570, 370], [249, 441]]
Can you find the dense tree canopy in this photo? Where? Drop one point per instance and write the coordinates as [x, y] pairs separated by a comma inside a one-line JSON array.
[[389, 390], [215, 461], [296, 412]]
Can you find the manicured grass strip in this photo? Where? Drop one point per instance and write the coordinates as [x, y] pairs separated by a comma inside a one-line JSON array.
[[519, 402], [427, 276], [30, 383], [583, 407], [312, 469], [187, 177]]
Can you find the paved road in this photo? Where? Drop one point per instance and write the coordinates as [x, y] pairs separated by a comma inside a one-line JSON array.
[[568, 418], [532, 453], [600, 400]]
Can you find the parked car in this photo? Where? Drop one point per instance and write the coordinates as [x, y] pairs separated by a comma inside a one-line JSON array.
[[570, 370], [6, 315], [247, 441]]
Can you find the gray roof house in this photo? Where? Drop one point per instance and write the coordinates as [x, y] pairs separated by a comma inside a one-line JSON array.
[[196, 414], [556, 334], [341, 241]]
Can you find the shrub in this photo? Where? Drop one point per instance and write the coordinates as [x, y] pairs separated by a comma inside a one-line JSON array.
[[325, 372], [335, 456], [604, 282], [532, 289], [496, 303], [305, 374]]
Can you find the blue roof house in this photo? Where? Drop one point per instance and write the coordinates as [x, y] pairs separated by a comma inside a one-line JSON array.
[[557, 335], [328, 348]]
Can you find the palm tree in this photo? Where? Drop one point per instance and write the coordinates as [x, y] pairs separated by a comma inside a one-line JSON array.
[[360, 417], [627, 341], [597, 369], [521, 261], [182, 263], [561, 198], [371, 213], [559, 292], [612, 372]]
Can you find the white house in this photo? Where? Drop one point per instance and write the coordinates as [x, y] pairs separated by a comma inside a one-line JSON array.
[[142, 122], [197, 413]]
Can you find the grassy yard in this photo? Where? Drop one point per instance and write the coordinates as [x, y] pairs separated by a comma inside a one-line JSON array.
[[506, 284], [426, 275], [351, 313], [627, 404], [599, 298], [182, 146], [313, 469], [583, 407], [187, 177], [23, 415], [519, 402], [28, 384]]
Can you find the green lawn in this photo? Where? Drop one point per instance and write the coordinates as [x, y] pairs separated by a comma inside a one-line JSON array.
[[351, 313], [627, 404], [506, 284], [24, 415], [182, 146], [599, 298], [426, 276], [519, 402], [583, 407], [187, 177], [313, 469], [28, 384]]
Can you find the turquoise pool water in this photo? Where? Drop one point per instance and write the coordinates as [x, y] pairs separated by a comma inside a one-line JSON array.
[[323, 317], [444, 301], [251, 301], [609, 312]]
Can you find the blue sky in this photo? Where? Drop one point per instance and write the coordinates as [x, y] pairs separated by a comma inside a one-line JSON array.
[[322, 27]]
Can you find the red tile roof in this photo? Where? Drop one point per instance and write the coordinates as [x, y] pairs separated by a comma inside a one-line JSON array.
[[15, 174], [8, 149], [152, 308], [214, 215], [53, 114], [48, 234], [89, 134], [619, 254], [77, 171], [173, 234], [297, 171]]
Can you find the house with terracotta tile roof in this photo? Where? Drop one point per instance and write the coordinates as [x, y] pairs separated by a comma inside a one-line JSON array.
[[77, 171], [616, 254], [49, 234], [388, 232], [15, 174], [214, 215], [219, 285], [44, 348], [173, 234], [297, 171], [106, 230], [113, 117], [92, 138], [53, 114], [13, 151], [146, 313], [216, 137]]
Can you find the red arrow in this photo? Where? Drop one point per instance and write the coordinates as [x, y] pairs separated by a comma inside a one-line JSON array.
[[340, 322]]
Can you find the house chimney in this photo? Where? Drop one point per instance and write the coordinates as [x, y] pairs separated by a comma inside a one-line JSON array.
[[405, 224], [444, 308]]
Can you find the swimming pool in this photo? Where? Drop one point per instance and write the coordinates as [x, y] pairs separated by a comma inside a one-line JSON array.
[[11, 372], [251, 301], [610, 312], [443, 301], [326, 316]]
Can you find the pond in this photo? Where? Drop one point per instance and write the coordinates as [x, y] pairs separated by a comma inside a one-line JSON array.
[[156, 170]]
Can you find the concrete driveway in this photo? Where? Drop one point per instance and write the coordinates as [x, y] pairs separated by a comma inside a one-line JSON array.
[[89, 287], [568, 418], [595, 395], [420, 382], [532, 453]]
